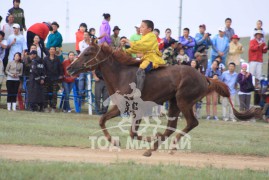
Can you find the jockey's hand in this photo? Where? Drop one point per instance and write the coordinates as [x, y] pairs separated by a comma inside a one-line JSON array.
[[124, 41], [42, 81], [139, 55]]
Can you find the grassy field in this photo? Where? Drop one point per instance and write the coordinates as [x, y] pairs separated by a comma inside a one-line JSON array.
[[57, 170], [61, 129]]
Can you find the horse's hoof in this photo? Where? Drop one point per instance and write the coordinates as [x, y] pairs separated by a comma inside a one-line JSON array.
[[147, 153], [116, 143]]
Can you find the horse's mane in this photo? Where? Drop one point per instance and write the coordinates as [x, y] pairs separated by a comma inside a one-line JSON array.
[[124, 58], [120, 56]]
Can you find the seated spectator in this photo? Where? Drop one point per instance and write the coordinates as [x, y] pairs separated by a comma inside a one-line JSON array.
[[54, 74], [182, 58], [169, 54], [220, 46], [14, 70], [212, 73], [187, 42], [36, 82], [229, 77], [68, 82], [244, 79], [160, 41], [79, 35], [167, 39], [235, 51]]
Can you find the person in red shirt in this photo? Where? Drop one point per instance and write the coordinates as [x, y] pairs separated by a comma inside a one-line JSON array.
[[68, 81], [40, 29], [257, 48], [80, 35], [160, 40]]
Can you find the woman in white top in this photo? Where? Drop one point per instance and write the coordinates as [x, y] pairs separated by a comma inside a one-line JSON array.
[[14, 70]]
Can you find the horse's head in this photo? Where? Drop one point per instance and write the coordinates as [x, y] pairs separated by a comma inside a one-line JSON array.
[[90, 58]]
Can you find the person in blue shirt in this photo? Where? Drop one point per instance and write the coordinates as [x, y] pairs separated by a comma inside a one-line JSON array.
[[214, 73], [203, 42], [229, 77], [188, 43], [55, 40], [220, 46]]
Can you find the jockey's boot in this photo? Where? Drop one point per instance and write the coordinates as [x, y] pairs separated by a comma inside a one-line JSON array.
[[140, 78]]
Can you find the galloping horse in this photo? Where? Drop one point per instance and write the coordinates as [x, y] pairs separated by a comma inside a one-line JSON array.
[[181, 85]]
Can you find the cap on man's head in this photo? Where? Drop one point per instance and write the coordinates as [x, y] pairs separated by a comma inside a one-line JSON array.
[[235, 37], [222, 29], [16, 26], [33, 52], [116, 28], [202, 26]]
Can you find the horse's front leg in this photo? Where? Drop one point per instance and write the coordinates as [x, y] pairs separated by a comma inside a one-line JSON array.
[[113, 112]]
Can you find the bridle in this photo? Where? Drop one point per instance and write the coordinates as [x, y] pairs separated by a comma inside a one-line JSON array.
[[87, 65]]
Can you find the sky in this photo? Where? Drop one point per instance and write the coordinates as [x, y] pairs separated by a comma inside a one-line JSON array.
[[127, 13]]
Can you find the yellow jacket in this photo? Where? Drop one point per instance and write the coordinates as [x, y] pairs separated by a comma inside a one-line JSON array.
[[148, 46]]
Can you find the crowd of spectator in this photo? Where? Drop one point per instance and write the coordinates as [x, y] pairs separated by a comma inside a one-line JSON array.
[[45, 67]]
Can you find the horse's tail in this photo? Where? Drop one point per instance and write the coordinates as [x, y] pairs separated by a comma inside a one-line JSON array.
[[223, 90]]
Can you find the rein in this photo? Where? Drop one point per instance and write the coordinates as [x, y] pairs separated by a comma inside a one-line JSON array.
[[88, 65]]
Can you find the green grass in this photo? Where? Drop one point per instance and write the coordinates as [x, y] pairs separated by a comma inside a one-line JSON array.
[[57, 170], [61, 129]]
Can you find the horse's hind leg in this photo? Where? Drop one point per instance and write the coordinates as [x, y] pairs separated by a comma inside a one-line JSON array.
[[191, 120], [113, 112], [173, 114]]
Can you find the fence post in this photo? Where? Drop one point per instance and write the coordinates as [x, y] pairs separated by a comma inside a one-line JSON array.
[[89, 83]]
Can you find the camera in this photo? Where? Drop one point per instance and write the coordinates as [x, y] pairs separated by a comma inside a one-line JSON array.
[[208, 34]]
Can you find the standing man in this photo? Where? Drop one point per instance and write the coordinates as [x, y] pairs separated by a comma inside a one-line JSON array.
[[188, 43], [16, 43], [36, 82], [220, 46], [229, 32], [18, 14], [257, 48], [55, 39], [229, 77], [100, 92], [54, 74], [115, 39], [203, 42]]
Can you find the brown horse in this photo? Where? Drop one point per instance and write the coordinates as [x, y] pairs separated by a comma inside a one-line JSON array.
[[181, 85]]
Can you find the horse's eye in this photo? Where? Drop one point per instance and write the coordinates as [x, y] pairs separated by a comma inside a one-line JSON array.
[[86, 54]]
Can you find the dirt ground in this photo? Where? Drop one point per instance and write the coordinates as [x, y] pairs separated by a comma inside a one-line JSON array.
[[74, 154]]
